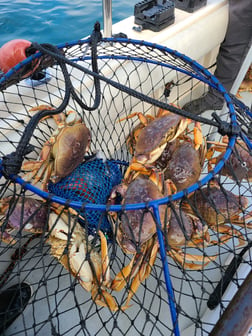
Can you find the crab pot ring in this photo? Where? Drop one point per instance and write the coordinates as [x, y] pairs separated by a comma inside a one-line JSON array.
[[75, 52], [178, 63], [133, 77]]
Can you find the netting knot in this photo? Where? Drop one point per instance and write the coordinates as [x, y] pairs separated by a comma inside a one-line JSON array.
[[12, 162], [226, 128]]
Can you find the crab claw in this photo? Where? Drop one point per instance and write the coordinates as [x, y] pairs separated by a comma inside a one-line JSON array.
[[198, 138], [80, 265], [104, 299], [58, 227]]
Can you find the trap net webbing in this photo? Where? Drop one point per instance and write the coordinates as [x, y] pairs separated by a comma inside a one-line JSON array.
[[55, 229]]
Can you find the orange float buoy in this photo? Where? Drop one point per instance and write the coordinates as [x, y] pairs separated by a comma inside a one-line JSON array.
[[13, 52]]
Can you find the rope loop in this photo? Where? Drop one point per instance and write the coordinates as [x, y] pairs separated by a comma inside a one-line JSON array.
[[12, 162]]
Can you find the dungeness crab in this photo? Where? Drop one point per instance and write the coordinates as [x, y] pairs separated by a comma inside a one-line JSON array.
[[21, 214], [63, 152], [151, 137]]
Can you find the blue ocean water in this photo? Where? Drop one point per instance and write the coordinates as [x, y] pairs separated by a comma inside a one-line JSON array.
[[57, 21]]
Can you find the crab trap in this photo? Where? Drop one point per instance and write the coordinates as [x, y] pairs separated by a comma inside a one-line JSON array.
[[121, 212]]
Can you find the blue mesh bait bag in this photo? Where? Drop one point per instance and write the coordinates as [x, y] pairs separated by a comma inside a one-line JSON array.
[[90, 182]]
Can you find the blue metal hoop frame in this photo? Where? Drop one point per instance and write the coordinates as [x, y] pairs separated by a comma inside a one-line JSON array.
[[203, 75]]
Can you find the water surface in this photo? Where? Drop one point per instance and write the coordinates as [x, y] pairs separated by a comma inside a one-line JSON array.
[[56, 21]]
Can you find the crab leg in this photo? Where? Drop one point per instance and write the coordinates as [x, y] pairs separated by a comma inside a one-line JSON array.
[[103, 298], [147, 266], [199, 239], [143, 118], [7, 238], [135, 167], [246, 86], [198, 138], [41, 108], [4, 204], [34, 168], [138, 168], [5, 235], [216, 147], [43, 175], [41, 169], [197, 134], [127, 273], [121, 278], [104, 259], [228, 233], [182, 258], [136, 266], [237, 220], [143, 272]]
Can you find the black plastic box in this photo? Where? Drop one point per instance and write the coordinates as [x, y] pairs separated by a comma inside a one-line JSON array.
[[190, 5], [153, 15]]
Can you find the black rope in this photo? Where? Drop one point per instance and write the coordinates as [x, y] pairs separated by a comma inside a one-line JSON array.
[[224, 128], [215, 297], [221, 125], [62, 60], [12, 162]]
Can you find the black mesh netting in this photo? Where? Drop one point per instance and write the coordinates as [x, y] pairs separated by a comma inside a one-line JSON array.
[[89, 244]]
